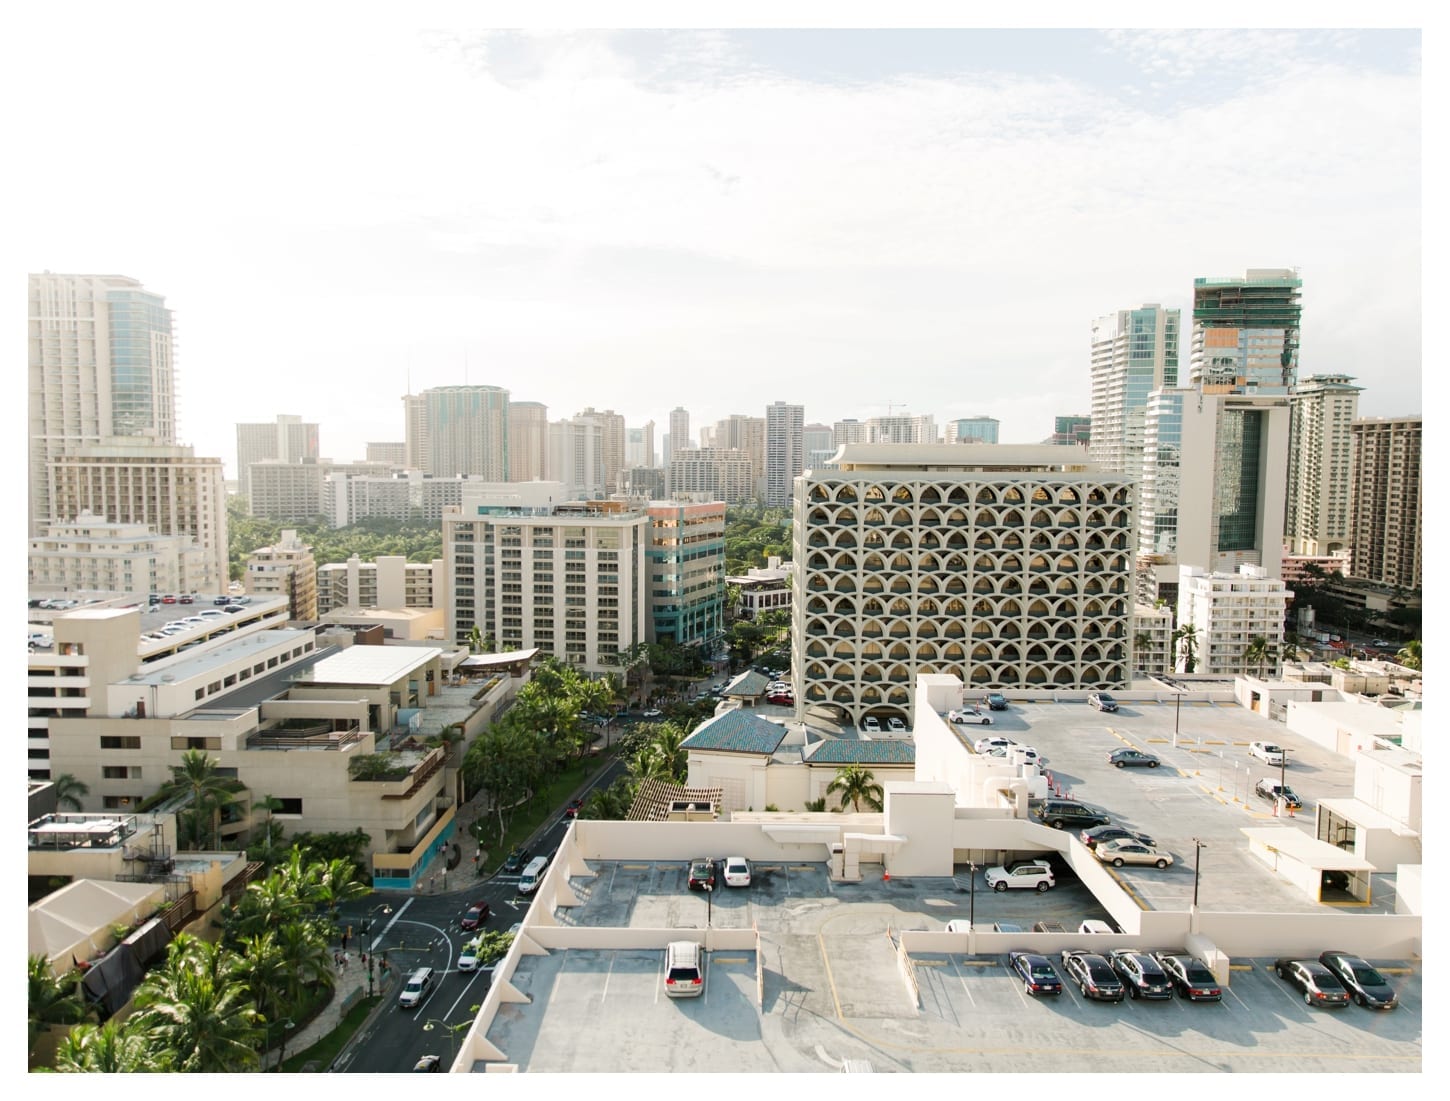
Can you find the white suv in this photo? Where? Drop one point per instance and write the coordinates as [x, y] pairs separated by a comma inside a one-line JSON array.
[[1267, 752], [1025, 873]]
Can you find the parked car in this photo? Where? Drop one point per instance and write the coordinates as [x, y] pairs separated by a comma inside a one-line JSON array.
[[1190, 977], [959, 925], [871, 723], [701, 875], [1272, 789], [780, 699], [1125, 850], [1036, 972], [651, 713], [1035, 874], [895, 725], [219, 601], [1132, 758], [169, 598], [1061, 813], [986, 745], [737, 871], [970, 716], [1093, 927], [1314, 980], [1048, 927], [186, 598], [515, 861], [1094, 976], [684, 969], [241, 600], [476, 915], [1267, 752], [1140, 973], [1365, 985], [996, 701], [1101, 701], [1096, 835], [1007, 927]]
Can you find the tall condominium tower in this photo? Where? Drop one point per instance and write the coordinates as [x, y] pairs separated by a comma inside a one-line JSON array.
[[1246, 331], [528, 441], [468, 431], [820, 444], [101, 369], [576, 457], [785, 451], [902, 429], [1386, 515], [1134, 352], [1215, 452], [972, 430], [287, 439], [850, 430], [639, 446], [1071, 430], [1316, 520], [679, 437], [611, 441], [416, 446]]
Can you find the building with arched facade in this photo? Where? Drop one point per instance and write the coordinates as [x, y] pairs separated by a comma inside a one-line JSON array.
[[1006, 566]]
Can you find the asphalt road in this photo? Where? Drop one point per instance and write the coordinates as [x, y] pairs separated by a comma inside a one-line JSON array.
[[423, 931]]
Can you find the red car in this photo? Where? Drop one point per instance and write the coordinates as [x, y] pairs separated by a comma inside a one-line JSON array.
[[572, 807], [476, 916]]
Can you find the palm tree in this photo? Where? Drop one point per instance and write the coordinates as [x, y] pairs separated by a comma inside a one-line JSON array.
[[661, 756], [198, 774], [264, 970], [1409, 654], [116, 1047], [309, 961], [1185, 639], [195, 1008], [1256, 653], [337, 882], [271, 804], [857, 785], [69, 791], [52, 1001]]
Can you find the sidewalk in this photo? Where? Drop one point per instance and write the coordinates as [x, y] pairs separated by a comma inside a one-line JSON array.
[[352, 987]]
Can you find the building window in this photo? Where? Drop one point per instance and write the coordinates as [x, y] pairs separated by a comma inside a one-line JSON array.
[[119, 802], [112, 741]]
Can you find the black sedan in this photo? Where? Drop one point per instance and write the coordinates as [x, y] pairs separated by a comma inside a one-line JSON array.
[[1095, 835], [514, 863], [1190, 977], [1365, 985], [1272, 790], [1140, 974], [996, 701], [1036, 972], [1094, 976], [1315, 981], [1132, 758]]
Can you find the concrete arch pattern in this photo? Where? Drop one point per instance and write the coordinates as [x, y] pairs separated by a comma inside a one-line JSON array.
[[1001, 580]]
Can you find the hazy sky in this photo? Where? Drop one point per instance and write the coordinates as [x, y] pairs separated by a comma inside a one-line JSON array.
[[339, 208]]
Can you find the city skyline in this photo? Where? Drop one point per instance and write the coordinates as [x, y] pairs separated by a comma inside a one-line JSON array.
[[860, 222]]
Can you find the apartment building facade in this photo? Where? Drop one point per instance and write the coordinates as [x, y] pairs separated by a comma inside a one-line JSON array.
[[93, 554], [1229, 612], [388, 581], [785, 451], [1321, 445], [712, 474], [687, 572], [285, 569], [289, 440], [1002, 565], [1385, 539]]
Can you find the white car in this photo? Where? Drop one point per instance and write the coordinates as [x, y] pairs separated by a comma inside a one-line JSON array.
[[871, 723], [1267, 752], [1026, 873], [986, 745], [1125, 850], [970, 716], [737, 871], [959, 925], [468, 958], [895, 725], [651, 713]]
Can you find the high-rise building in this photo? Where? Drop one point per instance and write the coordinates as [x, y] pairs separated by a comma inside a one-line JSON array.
[[904, 428], [850, 430], [611, 444], [712, 474], [679, 437], [349, 496], [820, 445], [288, 569], [287, 440], [306, 491], [576, 457], [528, 441], [468, 431], [1134, 353], [972, 430], [687, 572], [785, 451], [392, 452], [1004, 565], [1386, 515], [388, 581], [639, 446], [416, 444], [529, 569], [1237, 620], [1246, 332], [101, 368], [1215, 452], [1316, 520], [1073, 430]]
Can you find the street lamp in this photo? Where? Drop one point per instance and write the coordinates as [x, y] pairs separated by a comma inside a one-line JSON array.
[[1197, 846], [450, 1029], [282, 1048], [972, 909], [709, 904], [1177, 709]]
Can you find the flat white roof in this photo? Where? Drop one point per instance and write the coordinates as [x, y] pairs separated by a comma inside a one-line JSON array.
[[1307, 850], [372, 665]]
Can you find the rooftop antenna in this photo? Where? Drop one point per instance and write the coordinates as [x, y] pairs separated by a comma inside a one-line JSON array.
[[890, 405]]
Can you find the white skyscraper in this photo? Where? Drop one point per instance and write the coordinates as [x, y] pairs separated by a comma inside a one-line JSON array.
[[1134, 352], [101, 370], [785, 451], [1321, 447]]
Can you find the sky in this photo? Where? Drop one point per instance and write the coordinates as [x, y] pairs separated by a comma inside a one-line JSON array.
[[343, 205]]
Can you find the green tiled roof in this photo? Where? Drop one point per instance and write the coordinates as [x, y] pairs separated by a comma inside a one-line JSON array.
[[853, 751], [737, 732], [749, 683]]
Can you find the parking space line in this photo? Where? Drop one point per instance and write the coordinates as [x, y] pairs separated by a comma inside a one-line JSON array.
[[825, 959], [967, 990]]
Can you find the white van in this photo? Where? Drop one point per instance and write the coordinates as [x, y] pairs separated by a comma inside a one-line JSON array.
[[419, 983], [684, 969], [532, 873]]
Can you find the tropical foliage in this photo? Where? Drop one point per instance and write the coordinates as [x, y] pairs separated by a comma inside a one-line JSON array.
[[418, 540], [754, 535], [856, 785]]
